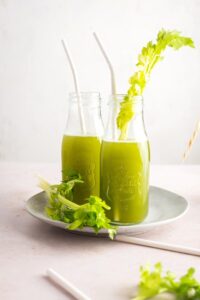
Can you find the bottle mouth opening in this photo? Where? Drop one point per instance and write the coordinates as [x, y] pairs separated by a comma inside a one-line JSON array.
[[86, 98], [120, 97], [84, 94]]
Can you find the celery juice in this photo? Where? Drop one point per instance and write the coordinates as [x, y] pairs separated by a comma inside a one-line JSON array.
[[81, 154], [125, 180]]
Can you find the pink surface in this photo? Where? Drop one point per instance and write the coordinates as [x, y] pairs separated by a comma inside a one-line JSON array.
[[103, 269]]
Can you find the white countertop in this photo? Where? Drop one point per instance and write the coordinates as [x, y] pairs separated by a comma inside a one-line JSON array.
[[103, 269]]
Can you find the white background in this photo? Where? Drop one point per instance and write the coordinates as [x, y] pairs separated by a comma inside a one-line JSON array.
[[35, 78]]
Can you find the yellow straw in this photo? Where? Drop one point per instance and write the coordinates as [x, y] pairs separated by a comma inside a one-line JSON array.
[[191, 141]]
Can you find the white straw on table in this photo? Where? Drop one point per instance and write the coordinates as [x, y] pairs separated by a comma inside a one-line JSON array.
[[66, 285], [158, 245], [76, 86], [191, 141], [112, 75]]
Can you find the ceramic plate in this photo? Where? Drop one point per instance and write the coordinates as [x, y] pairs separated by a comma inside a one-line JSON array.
[[164, 207]]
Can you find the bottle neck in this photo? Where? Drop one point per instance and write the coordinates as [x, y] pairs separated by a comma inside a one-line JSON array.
[[120, 110], [84, 115]]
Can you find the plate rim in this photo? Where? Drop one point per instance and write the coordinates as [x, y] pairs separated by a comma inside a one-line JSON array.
[[140, 226]]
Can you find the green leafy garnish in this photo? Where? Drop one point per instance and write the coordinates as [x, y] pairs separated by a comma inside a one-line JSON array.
[[153, 283], [61, 207], [147, 59]]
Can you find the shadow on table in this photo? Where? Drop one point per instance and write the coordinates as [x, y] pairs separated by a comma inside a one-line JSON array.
[[51, 236]]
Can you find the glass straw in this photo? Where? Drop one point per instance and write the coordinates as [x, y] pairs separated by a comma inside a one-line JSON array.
[[112, 76], [76, 86]]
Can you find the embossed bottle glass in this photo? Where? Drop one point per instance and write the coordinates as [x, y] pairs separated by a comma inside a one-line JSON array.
[[125, 166], [81, 153]]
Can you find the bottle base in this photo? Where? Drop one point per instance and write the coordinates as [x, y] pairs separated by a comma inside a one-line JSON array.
[[129, 223]]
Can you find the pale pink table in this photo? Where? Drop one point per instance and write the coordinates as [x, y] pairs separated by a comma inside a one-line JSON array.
[[103, 269]]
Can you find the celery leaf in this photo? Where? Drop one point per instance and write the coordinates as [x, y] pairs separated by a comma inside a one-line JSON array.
[[150, 55]]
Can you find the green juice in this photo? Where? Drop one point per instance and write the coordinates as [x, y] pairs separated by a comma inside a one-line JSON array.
[[81, 154], [125, 180]]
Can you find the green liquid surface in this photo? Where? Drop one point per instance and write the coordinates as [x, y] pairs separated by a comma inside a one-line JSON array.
[[81, 154], [125, 180]]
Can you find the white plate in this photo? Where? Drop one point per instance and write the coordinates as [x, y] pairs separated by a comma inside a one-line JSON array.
[[164, 207]]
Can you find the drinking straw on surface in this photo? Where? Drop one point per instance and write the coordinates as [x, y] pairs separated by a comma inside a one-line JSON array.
[[76, 86], [158, 245], [191, 141], [66, 285], [112, 75]]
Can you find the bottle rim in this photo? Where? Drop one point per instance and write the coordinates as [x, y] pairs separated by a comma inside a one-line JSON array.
[[88, 98], [85, 93], [120, 97]]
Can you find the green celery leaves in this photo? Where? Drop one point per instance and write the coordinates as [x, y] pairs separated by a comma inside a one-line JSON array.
[[153, 282], [147, 59], [61, 207]]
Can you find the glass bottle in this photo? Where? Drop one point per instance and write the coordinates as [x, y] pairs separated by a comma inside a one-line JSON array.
[[81, 150], [125, 165]]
